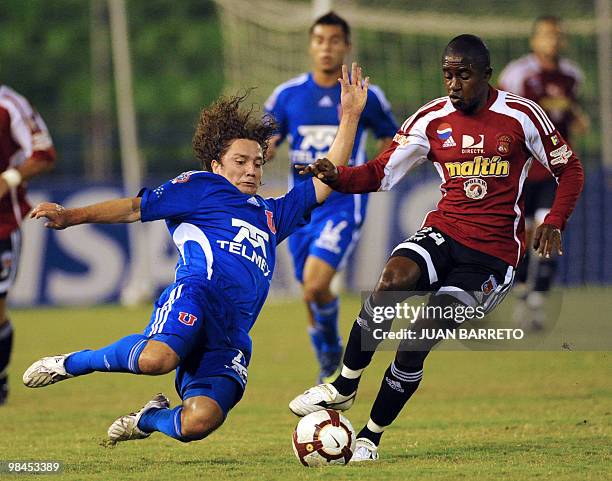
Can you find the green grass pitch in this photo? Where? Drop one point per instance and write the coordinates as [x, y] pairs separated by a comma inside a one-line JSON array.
[[477, 415]]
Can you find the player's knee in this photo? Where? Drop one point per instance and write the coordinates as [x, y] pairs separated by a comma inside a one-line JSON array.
[[157, 358], [400, 274], [316, 291], [200, 420]]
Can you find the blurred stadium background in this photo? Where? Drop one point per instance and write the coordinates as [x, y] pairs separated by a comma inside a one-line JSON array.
[[66, 57]]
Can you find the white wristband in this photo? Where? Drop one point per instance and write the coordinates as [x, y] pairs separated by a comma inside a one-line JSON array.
[[12, 177]]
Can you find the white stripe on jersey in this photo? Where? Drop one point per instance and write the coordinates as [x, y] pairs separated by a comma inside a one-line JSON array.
[[517, 209], [405, 157], [532, 134], [189, 232], [545, 122], [424, 107], [294, 82]]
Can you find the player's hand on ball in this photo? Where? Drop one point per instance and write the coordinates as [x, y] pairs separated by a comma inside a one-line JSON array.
[[54, 213], [547, 240], [354, 90], [323, 169]]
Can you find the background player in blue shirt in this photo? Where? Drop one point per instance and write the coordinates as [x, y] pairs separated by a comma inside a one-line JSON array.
[[307, 111], [226, 236]]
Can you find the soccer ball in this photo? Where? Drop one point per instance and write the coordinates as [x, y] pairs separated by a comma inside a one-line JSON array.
[[324, 437]]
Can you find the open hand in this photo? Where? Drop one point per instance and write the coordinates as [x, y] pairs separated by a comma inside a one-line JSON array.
[[54, 213], [354, 90]]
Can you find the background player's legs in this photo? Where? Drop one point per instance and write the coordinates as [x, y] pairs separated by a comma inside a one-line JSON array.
[[6, 347], [323, 306], [400, 274], [9, 249]]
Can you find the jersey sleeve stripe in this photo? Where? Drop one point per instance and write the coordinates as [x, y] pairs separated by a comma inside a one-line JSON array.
[[294, 82], [543, 120], [433, 105]]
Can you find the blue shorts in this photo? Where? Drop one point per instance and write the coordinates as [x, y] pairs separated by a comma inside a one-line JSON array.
[[194, 321], [332, 239]]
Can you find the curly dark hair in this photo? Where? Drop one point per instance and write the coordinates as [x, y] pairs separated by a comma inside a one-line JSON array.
[[224, 121]]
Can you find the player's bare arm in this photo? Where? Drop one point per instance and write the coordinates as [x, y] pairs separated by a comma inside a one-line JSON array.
[[353, 99], [31, 167], [124, 210]]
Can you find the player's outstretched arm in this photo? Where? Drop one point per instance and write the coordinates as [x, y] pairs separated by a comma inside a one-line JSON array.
[[109, 212], [353, 100]]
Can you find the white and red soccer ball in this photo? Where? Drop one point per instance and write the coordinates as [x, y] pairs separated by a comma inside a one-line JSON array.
[[324, 437]]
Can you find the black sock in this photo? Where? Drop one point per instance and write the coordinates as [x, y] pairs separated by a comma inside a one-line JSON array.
[[398, 385], [371, 435], [545, 274], [522, 271], [346, 386]]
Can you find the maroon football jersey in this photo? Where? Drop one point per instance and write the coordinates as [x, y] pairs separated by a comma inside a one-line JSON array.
[[555, 91], [23, 134], [483, 160]]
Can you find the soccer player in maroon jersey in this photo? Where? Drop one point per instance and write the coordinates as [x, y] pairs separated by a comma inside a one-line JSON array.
[[482, 142], [26, 150], [553, 82]]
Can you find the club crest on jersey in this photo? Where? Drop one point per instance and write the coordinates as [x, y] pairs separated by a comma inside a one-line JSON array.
[[504, 144], [187, 318], [270, 219], [475, 188], [182, 178], [445, 133], [479, 167], [470, 145], [489, 285]]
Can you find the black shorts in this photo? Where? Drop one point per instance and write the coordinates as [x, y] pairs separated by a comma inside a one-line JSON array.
[[538, 195], [9, 258], [448, 267]]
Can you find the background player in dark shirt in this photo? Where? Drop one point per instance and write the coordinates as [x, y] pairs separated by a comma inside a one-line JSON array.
[[552, 81]]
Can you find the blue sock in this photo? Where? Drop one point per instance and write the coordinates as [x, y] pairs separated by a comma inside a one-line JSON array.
[[326, 321], [167, 421], [122, 356]]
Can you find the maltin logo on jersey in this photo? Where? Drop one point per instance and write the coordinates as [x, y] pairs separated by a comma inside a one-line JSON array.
[[475, 188], [445, 133]]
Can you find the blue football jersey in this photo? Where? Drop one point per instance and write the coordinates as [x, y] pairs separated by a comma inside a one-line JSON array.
[[308, 116], [225, 238]]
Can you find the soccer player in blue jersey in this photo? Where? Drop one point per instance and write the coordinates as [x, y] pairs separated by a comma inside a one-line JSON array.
[[307, 111], [226, 236]]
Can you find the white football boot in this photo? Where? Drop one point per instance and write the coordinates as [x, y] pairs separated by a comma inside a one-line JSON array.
[[365, 450], [318, 398], [46, 371], [126, 428]]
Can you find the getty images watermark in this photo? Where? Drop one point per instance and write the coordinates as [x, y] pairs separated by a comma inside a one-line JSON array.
[[460, 320], [440, 316]]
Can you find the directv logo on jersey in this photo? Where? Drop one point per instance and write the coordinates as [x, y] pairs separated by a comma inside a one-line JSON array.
[[470, 146], [256, 237], [479, 167]]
